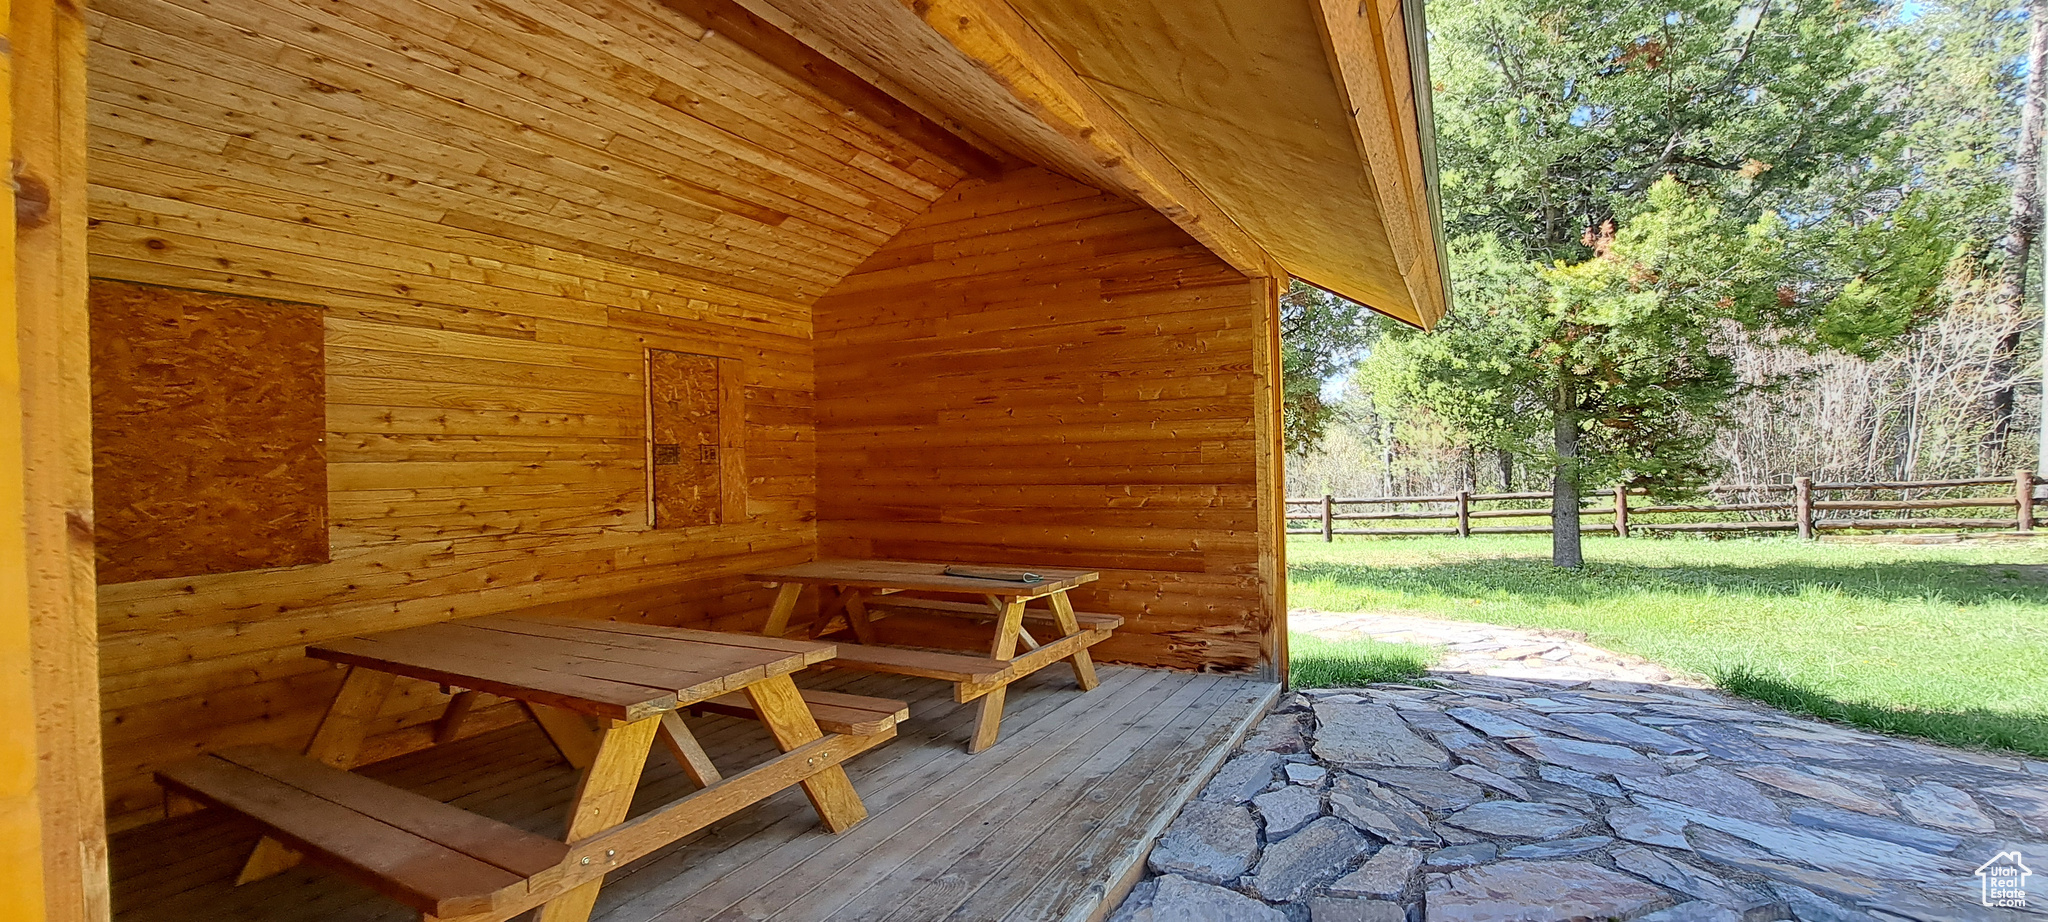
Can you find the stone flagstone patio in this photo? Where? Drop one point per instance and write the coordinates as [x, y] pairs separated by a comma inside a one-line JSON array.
[[1547, 780]]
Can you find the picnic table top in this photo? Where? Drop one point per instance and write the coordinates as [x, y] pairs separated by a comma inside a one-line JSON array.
[[603, 668], [919, 576]]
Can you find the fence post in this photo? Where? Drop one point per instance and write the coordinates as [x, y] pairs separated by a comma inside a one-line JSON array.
[[1464, 513], [1329, 520], [2023, 495], [1620, 511], [1802, 506]]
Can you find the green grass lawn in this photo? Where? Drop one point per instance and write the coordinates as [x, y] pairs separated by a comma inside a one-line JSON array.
[[1314, 662], [1948, 642]]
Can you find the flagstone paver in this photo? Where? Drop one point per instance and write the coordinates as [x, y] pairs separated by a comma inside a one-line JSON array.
[[1209, 842], [1287, 810], [1540, 778]]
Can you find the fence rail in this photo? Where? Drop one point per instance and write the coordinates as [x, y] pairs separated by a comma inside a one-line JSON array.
[[1800, 507]]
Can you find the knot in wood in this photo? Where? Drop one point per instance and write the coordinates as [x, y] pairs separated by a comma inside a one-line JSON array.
[[31, 198]]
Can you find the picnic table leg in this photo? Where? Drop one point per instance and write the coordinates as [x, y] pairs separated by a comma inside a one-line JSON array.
[[830, 603], [568, 731], [450, 723], [1009, 624], [1084, 665], [857, 616], [602, 800], [988, 721], [782, 710], [785, 605], [689, 754], [337, 742]]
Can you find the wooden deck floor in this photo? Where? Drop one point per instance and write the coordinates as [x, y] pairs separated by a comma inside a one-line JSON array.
[[1039, 827]]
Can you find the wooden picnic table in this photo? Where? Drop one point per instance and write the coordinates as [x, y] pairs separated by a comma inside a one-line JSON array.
[[861, 591], [633, 680]]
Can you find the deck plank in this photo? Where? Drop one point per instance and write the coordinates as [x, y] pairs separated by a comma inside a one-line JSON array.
[[1107, 842], [686, 888], [1022, 785], [946, 795], [1037, 827]]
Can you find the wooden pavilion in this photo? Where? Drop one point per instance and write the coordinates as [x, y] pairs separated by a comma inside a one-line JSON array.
[[337, 316]]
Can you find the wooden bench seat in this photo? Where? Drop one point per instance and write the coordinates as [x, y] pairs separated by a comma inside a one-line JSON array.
[[1033, 617], [951, 667], [438, 859], [853, 715], [972, 676]]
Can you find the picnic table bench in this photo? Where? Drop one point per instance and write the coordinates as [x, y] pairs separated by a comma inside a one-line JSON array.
[[635, 680], [863, 591]]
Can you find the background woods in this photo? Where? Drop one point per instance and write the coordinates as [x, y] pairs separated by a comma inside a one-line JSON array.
[[1709, 241]]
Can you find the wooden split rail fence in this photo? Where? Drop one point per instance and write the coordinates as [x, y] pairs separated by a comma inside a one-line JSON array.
[[1804, 511]]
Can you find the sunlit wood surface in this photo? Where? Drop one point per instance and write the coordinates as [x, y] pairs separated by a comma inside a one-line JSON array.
[[1035, 828]]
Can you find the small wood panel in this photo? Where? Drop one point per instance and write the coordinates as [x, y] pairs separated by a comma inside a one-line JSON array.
[[695, 424], [918, 576], [209, 424], [1041, 826]]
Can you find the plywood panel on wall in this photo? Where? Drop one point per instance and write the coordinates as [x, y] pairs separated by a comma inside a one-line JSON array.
[[209, 417], [500, 205], [696, 439], [1037, 372]]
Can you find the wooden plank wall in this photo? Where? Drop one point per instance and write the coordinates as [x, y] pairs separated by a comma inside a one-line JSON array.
[[1039, 372], [501, 204]]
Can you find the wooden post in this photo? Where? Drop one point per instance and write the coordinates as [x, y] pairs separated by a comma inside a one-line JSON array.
[[1329, 518], [53, 846], [1802, 506], [2023, 496], [1464, 513], [1620, 511]]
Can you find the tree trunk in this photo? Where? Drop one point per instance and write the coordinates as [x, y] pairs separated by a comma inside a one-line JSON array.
[[1564, 500], [2024, 225], [1387, 453], [1507, 471]]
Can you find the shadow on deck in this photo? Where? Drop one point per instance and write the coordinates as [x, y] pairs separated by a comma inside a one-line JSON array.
[[1042, 826]]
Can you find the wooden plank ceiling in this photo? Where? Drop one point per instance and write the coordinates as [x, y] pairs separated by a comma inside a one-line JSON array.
[[1283, 135]]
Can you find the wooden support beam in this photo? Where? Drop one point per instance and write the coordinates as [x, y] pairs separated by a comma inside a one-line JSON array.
[[449, 727], [788, 719], [572, 737], [761, 37], [1269, 454], [602, 800], [1366, 45], [681, 743], [994, 73], [992, 34], [21, 815], [52, 812]]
